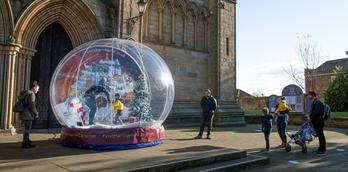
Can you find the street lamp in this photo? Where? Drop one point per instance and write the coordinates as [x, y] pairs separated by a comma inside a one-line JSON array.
[[132, 21], [141, 6]]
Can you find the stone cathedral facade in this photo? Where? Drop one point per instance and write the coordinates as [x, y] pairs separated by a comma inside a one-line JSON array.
[[196, 38]]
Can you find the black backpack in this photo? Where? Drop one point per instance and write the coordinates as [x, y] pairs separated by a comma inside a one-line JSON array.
[[327, 112], [19, 106]]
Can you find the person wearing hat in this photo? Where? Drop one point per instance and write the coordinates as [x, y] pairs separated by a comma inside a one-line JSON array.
[[282, 117], [316, 118]]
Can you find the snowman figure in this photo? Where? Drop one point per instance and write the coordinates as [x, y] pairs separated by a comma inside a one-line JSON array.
[[75, 109]]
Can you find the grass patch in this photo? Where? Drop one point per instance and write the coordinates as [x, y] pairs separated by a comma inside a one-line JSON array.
[[252, 112], [339, 114], [257, 112]]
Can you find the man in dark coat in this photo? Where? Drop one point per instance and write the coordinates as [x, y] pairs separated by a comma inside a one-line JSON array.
[[29, 113], [208, 104], [316, 117], [90, 96]]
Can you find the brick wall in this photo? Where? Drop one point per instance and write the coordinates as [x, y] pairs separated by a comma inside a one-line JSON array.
[[318, 83], [252, 102]]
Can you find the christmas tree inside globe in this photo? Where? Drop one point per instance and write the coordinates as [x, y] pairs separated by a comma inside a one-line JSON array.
[[111, 92]]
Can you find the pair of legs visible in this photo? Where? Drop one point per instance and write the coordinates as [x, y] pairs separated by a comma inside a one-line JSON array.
[[27, 127], [207, 120], [319, 129], [282, 123]]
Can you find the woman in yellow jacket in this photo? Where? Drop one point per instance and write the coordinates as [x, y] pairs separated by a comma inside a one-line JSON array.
[[118, 107], [282, 112]]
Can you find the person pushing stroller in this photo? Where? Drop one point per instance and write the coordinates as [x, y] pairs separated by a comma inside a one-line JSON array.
[[305, 135]]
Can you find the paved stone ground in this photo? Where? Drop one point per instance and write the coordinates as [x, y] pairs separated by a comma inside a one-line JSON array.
[[50, 156]]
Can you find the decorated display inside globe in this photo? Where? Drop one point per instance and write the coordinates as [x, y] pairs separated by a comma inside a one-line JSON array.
[[111, 84]]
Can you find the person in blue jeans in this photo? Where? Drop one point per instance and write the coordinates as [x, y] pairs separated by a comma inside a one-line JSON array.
[[29, 114], [282, 112], [266, 121]]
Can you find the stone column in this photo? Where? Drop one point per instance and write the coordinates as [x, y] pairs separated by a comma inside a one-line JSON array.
[[160, 15], [13, 68], [223, 64], [172, 36]]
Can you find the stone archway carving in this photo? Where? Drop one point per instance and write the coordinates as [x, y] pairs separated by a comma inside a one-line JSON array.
[[6, 21], [75, 17]]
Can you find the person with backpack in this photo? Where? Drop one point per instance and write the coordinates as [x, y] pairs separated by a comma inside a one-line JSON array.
[[209, 105], [317, 116], [28, 113]]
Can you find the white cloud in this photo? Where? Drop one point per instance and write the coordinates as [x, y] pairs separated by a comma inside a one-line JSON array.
[[268, 78]]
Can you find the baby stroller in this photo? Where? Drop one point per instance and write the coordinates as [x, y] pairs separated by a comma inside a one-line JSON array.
[[305, 134]]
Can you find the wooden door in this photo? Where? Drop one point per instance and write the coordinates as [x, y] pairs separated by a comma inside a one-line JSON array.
[[53, 44]]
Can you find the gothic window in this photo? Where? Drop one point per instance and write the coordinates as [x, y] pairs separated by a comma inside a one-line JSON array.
[[166, 24], [190, 30], [153, 22], [206, 36], [200, 34], [179, 27]]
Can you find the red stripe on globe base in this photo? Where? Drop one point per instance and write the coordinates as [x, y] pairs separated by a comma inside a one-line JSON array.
[[112, 136]]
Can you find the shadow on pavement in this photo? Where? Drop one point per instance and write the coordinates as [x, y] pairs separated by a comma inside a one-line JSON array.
[[333, 160], [44, 149], [194, 149], [186, 139]]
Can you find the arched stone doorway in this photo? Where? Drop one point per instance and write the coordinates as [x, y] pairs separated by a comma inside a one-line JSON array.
[[53, 44], [6, 63], [78, 22]]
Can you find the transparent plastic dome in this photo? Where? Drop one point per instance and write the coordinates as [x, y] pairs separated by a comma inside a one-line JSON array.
[[111, 83]]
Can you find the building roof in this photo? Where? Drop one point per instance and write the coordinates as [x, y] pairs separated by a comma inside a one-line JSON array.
[[241, 93], [329, 66]]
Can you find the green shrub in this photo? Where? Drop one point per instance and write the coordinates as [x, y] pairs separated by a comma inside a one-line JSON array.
[[337, 94]]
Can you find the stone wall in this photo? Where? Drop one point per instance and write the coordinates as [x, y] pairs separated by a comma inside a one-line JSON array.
[[180, 23], [227, 52], [188, 34], [189, 69], [2, 27], [105, 14], [18, 6]]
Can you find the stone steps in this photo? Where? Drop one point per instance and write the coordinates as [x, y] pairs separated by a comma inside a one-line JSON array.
[[211, 162], [250, 161], [188, 114]]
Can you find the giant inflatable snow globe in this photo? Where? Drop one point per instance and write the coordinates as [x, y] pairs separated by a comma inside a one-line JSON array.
[[112, 94]]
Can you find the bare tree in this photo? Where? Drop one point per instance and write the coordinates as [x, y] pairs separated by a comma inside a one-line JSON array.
[[309, 55]]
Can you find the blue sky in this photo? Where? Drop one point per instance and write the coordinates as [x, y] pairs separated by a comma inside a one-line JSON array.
[[267, 41]]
